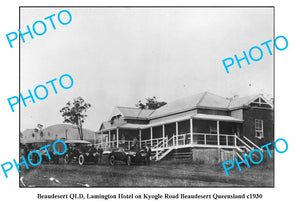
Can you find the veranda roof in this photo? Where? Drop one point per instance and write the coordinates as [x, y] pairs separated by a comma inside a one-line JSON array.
[[224, 118], [77, 141], [199, 116]]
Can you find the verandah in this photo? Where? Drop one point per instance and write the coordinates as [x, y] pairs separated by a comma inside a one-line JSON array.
[[179, 133]]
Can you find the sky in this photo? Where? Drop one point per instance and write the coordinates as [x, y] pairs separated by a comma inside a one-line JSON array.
[[118, 56]]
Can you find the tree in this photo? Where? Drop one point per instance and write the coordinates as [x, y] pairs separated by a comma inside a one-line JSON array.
[[75, 113], [40, 130], [151, 103]]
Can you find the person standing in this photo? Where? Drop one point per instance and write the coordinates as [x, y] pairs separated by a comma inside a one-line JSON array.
[[135, 146], [148, 154], [100, 151]]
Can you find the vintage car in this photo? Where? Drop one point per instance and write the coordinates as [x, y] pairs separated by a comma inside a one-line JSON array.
[[81, 151], [45, 158], [127, 156], [36, 145]]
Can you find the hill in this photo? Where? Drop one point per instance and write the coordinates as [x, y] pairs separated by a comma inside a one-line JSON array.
[[58, 131]]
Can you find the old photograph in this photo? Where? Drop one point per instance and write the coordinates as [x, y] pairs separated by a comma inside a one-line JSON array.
[[146, 97]]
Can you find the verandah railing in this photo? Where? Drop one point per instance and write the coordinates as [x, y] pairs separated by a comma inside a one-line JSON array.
[[154, 143], [208, 139]]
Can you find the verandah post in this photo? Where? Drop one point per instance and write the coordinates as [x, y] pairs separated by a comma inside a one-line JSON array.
[[151, 136], [234, 139], [176, 133], [191, 130], [218, 132], [173, 140], [140, 137], [226, 140], [117, 137], [109, 139], [163, 132]]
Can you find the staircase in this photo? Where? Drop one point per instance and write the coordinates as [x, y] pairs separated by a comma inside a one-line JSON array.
[[162, 149], [241, 146], [246, 149]]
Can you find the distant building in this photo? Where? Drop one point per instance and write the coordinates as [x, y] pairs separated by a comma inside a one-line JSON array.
[[196, 122]]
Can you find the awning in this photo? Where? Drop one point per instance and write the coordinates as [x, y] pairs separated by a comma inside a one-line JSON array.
[[217, 118], [132, 126], [123, 126], [168, 121], [77, 141], [223, 118]]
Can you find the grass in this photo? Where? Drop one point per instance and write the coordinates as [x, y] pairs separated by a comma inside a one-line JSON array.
[[162, 174]]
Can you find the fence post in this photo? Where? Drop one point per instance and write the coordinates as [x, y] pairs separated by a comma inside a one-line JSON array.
[[226, 140], [156, 153], [205, 139], [173, 140], [235, 140]]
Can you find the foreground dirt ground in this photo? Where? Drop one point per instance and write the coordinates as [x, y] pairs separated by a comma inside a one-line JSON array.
[[162, 174]]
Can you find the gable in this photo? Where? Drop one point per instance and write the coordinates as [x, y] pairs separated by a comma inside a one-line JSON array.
[[116, 113], [261, 103], [253, 100], [105, 125]]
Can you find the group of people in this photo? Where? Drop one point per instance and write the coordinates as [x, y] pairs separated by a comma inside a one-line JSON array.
[[136, 147], [93, 150], [73, 150]]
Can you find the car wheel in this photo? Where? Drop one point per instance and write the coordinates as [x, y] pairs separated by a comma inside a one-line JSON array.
[[112, 160], [128, 160], [81, 160], [67, 159]]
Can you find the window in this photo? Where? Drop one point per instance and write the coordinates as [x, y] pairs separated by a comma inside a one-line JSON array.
[[259, 128]]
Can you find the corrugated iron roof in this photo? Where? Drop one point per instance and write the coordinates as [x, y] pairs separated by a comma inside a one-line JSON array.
[[131, 112], [201, 100], [204, 100], [239, 102]]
